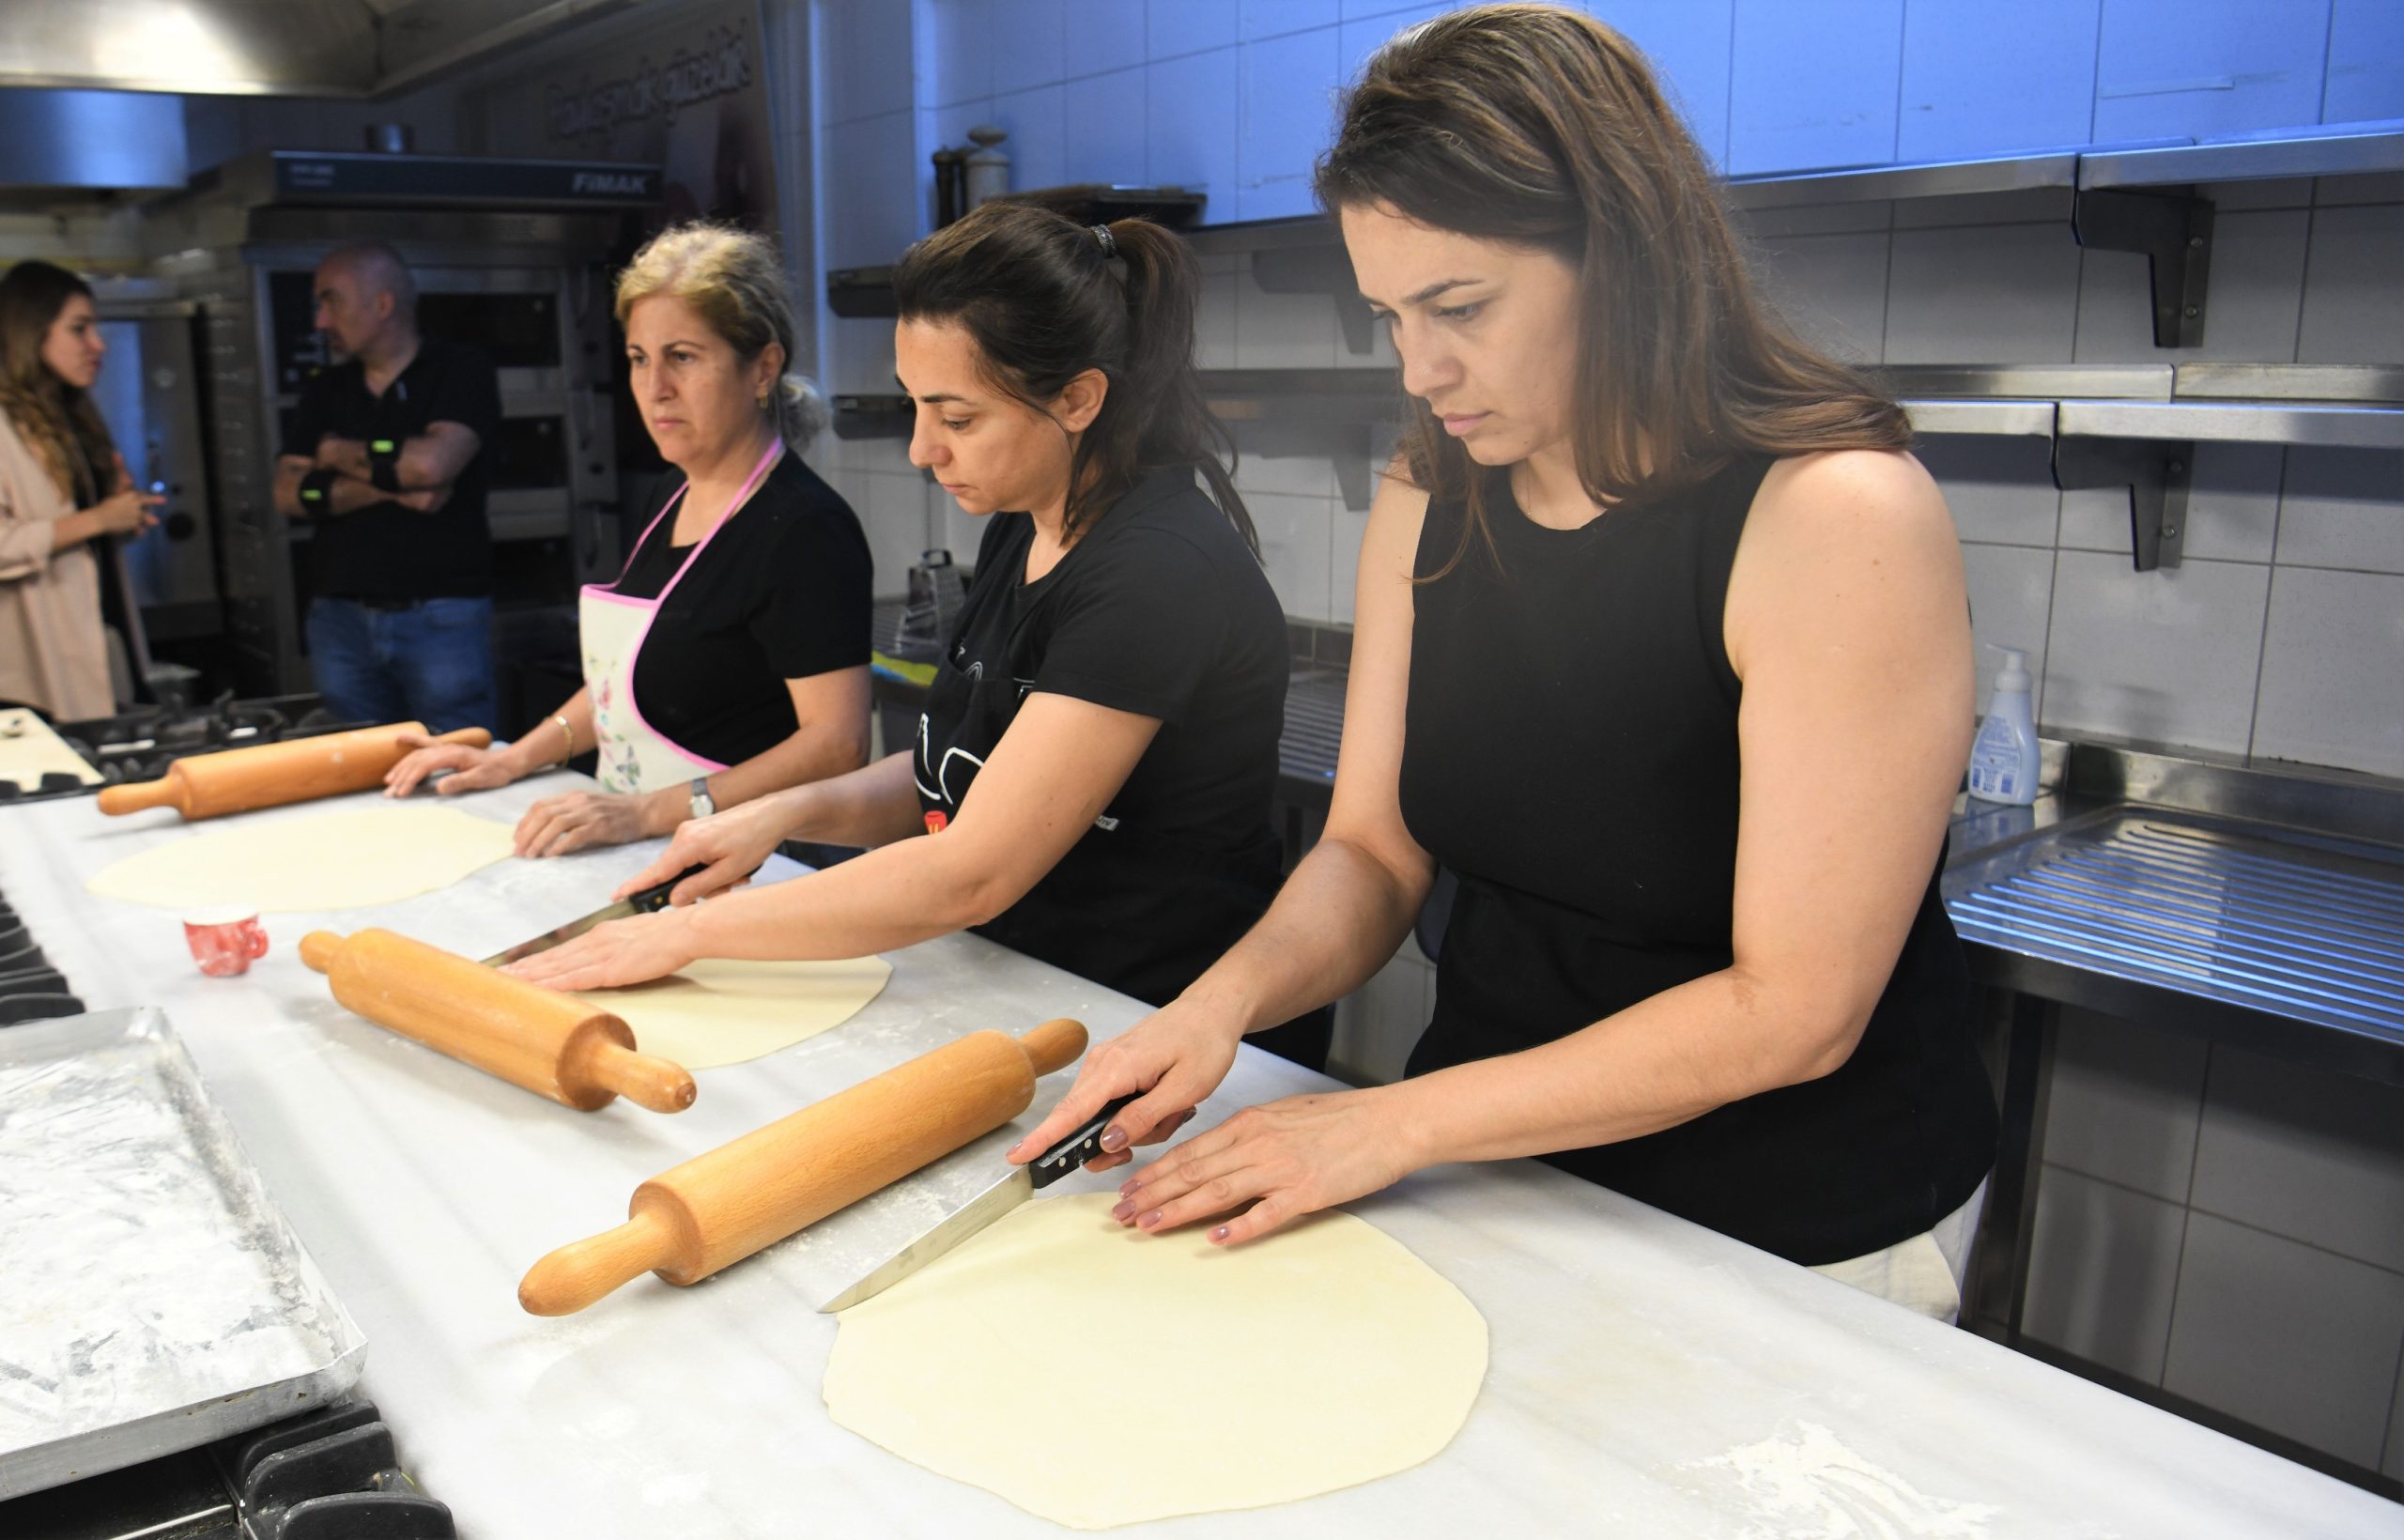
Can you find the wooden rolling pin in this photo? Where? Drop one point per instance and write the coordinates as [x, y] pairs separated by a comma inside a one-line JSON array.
[[552, 1043], [719, 1208], [236, 780]]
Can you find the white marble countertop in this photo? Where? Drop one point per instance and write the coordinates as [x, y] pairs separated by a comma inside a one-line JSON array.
[[1648, 1377]]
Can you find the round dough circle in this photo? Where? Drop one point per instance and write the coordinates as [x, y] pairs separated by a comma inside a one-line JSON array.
[[719, 1011], [346, 859], [1323, 1356]]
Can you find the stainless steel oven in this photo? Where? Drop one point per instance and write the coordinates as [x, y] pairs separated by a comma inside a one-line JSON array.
[[510, 256]]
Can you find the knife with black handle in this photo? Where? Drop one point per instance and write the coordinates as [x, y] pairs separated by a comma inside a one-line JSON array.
[[1082, 1146], [648, 901]]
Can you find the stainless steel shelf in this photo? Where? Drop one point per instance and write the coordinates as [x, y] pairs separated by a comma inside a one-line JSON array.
[[2349, 151], [2000, 418], [1931, 179], [2235, 422], [2355, 384], [2049, 381]]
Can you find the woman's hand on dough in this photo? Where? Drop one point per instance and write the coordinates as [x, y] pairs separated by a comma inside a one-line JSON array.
[[624, 951], [576, 821], [1271, 1163], [470, 769], [1177, 1056], [731, 844]]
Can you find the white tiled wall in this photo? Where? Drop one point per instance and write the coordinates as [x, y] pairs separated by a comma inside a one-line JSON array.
[[2229, 1227], [2282, 633]]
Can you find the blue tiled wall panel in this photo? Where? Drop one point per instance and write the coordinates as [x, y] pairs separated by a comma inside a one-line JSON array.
[[1813, 83], [1289, 114], [955, 52], [1103, 36], [864, 66], [1173, 28], [1258, 19], [2365, 61], [1983, 79], [1029, 40], [2197, 68], [1192, 106], [1038, 145], [1687, 41], [1106, 135]]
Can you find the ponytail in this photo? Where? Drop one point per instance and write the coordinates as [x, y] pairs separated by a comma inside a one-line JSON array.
[[1046, 300]]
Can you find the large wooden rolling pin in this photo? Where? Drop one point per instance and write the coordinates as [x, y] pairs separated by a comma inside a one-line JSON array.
[[236, 780], [719, 1208], [552, 1043]]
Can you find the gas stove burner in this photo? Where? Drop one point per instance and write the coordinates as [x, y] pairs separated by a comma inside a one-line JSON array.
[[139, 745]]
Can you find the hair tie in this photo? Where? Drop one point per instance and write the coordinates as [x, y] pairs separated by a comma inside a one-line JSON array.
[[1109, 242]]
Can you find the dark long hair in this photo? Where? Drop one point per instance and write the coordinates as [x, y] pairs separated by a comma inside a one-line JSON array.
[[58, 420], [1539, 127], [1045, 302]]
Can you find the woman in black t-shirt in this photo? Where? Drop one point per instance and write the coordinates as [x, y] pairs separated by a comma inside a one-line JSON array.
[[729, 659], [1098, 748]]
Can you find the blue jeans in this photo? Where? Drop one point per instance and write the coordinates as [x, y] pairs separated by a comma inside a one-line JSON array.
[[431, 662]]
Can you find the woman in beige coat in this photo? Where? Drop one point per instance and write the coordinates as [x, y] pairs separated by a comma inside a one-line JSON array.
[[62, 487]]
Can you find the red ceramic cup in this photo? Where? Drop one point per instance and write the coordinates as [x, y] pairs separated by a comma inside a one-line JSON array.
[[226, 939]]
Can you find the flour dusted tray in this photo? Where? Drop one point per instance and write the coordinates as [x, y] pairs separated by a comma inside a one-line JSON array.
[[155, 1298]]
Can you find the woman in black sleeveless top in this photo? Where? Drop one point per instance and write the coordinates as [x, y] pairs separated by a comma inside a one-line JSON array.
[[1663, 648]]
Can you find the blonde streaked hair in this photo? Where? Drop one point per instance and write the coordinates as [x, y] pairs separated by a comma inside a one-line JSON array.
[[733, 279]]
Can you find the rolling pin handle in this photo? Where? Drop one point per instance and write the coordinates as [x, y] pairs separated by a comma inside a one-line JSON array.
[[474, 737], [319, 948], [583, 1271], [135, 797], [1055, 1045], [644, 1079]]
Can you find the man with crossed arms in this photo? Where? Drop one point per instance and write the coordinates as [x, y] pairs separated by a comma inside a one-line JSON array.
[[384, 456]]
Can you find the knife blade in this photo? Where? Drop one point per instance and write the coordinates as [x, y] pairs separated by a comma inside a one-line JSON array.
[[1070, 1154], [648, 901]]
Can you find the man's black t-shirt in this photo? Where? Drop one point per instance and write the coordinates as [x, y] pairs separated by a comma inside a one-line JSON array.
[[385, 551], [1160, 609], [780, 592]]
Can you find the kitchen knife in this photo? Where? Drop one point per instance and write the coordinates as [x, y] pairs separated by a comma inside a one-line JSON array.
[[1070, 1154], [650, 901]]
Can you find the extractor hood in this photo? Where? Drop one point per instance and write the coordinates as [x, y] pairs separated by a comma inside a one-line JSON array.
[[318, 48]]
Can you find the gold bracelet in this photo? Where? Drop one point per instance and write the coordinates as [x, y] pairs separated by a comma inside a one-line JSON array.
[[569, 734]]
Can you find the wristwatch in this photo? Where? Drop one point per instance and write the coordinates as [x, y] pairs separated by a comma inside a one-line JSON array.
[[702, 805]]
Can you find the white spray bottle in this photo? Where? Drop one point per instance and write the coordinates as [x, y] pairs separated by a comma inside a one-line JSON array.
[[2005, 758]]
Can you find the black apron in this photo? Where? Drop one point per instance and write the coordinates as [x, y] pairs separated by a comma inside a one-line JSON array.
[[1139, 911]]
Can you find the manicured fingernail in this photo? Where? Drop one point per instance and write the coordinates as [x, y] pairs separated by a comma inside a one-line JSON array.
[[1124, 1209], [1219, 1234], [1013, 1150], [1129, 1188], [1114, 1139]]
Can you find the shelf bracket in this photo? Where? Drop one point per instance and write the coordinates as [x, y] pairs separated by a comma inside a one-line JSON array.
[[1345, 445], [1325, 270], [2157, 475], [2174, 231]]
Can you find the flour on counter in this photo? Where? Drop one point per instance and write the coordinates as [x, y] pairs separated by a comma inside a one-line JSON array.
[[1807, 1485]]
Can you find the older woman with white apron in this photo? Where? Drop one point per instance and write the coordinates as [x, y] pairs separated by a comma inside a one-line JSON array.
[[729, 659]]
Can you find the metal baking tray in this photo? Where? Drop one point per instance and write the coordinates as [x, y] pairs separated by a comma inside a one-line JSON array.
[[2284, 921], [152, 1298]]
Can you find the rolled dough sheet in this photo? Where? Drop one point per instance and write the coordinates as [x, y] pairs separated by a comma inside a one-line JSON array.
[[344, 859], [719, 1012], [1323, 1356]]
